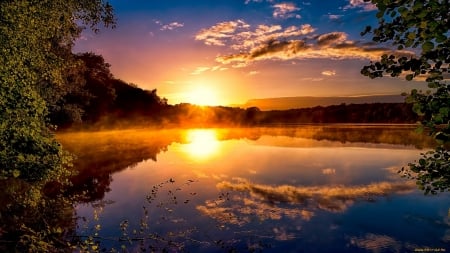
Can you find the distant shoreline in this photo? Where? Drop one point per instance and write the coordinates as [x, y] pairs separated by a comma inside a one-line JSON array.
[[299, 102]]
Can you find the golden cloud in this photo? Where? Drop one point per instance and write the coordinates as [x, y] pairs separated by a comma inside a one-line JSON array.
[[329, 72], [273, 42], [217, 34], [330, 48]]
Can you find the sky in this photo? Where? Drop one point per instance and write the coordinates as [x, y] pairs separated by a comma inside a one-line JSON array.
[[225, 52]]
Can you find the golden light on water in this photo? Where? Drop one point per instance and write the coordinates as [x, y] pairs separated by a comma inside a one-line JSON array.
[[202, 143]]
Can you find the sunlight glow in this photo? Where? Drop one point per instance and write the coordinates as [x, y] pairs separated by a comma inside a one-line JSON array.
[[202, 95], [202, 143]]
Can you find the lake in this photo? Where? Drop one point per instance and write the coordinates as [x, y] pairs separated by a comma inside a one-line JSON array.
[[329, 188]]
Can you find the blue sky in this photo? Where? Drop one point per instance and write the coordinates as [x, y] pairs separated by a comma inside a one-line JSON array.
[[229, 51]]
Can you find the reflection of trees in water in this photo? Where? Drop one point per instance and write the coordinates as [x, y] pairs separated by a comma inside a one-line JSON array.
[[33, 221], [374, 134], [396, 135], [100, 154]]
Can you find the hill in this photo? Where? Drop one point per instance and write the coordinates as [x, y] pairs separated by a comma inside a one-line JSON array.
[[285, 103]]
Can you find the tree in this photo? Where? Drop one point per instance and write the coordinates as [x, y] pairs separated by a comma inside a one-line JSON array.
[[422, 27], [36, 38]]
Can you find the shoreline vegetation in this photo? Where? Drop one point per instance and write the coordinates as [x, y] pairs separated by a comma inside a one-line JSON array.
[[104, 102]]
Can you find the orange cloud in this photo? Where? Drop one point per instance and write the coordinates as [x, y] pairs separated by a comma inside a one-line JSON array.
[[331, 46], [329, 72], [200, 70], [216, 34], [267, 42]]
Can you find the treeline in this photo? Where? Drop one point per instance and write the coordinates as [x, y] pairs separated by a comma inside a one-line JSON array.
[[389, 113], [93, 95], [95, 99]]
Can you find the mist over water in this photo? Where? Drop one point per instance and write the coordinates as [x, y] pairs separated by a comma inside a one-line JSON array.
[[329, 188]]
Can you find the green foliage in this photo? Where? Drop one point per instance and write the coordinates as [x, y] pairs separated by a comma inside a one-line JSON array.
[[422, 28], [431, 171], [36, 38]]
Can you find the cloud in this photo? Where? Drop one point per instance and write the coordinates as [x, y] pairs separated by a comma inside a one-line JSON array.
[[238, 35], [285, 10], [326, 46], [257, 1], [360, 4], [170, 26], [312, 79], [331, 38], [217, 34], [334, 17], [329, 72], [252, 73], [274, 42], [200, 70]]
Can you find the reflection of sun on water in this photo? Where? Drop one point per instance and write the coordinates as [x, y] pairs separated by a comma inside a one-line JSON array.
[[202, 143]]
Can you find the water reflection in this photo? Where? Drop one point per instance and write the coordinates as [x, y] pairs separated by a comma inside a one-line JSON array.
[[251, 189], [201, 143], [245, 200]]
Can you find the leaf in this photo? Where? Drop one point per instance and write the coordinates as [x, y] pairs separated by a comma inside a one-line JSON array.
[[440, 38], [427, 46], [16, 173], [411, 35]]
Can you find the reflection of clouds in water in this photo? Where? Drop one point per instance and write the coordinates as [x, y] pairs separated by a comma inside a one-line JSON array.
[[329, 171], [242, 210], [376, 243], [266, 202], [282, 235], [331, 198]]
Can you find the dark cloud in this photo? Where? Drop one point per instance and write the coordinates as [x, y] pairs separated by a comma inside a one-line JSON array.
[[331, 38]]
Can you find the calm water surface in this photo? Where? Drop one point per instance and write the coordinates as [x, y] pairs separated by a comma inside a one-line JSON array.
[[291, 189]]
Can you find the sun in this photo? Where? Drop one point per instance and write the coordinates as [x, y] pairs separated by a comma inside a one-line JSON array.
[[202, 95]]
